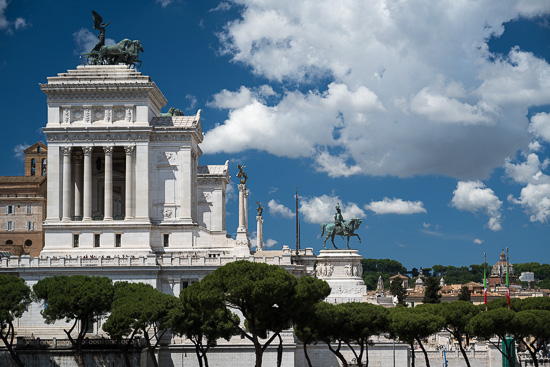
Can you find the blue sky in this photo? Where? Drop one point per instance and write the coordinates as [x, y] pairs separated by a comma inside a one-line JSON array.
[[430, 120]]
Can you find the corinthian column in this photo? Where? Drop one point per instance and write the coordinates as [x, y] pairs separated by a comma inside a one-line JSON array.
[[67, 183], [260, 231], [78, 185], [245, 194], [128, 213], [87, 183], [242, 219], [108, 206]]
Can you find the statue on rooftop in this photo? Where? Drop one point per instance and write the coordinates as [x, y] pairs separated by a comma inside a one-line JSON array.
[[242, 174], [259, 209], [124, 52], [173, 112]]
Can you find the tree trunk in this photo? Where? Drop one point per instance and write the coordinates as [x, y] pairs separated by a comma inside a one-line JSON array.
[[424, 351], [338, 354], [150, 349], [459, 338], [79, 340], [279, 351], [412, 354], [8, 345], [367, 353], [259, 353], [307, 355], [199, 357]]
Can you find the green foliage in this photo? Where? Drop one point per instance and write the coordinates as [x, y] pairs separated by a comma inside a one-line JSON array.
[[373, 268], [14, 301], [138, 308], [397, 289], [267, 296], [465, 294], [79, 297], [76, 297], [431, 290], [459, 275], [199, 322]]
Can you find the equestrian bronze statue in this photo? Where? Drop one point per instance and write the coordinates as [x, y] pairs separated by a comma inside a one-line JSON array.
[[340, 227]]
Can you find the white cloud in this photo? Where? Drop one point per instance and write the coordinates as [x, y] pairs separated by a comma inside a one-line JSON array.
[[192, 101], [222, 6], [426, 225], [10, 26], [335, 166], [477, 241], [396, 206], [164, 3], [529, 171], [411, 90], [535, 199], [474, 197], [86, 40], [269, 243], [319, 209], [540, 125], [20, 23], [230, 193], [19, 150], [279, 209]]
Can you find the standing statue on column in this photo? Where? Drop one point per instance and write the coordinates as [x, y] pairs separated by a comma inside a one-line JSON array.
[[242, 174], [259, 209]]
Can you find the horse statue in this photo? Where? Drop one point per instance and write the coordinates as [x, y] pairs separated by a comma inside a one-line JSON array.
[[125, 52], [346, 230]]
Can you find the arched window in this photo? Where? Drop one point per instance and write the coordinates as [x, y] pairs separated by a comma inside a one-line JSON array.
[[28, 243], [9, 242], [43, 166], [33, 167]]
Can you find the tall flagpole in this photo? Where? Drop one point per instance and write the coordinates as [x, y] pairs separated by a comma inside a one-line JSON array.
[[507, 279], [485, 280], [297, 224]]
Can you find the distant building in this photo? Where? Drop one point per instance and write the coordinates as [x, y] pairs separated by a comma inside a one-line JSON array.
[[23, 205], [498, 272]]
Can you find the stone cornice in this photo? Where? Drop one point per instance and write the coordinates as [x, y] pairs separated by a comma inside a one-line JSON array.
[[66, 92], [91, 137]]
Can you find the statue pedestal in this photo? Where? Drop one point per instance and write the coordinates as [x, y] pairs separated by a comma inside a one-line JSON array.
[[342, 270]]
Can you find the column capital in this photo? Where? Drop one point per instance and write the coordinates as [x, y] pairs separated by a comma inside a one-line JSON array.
[[78, 159], [108, 150], [129, 149], [67, 150], [87, 150]]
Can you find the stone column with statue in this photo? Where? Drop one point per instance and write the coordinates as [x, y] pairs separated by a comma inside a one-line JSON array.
[[260, 228], [243, 237]]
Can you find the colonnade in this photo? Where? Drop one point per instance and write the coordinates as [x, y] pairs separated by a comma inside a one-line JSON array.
[[82, 185]]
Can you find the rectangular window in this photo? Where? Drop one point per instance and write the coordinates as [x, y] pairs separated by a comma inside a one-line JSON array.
[[10, 209], [29, 226], [29, 209], [118, 240], [76, 240], [166, 240], [97, 239], [10, 226]]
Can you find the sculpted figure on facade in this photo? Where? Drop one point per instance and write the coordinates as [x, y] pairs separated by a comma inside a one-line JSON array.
[[242, 174]]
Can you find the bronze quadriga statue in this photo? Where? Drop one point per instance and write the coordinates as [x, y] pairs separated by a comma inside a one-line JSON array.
[[125, 52]]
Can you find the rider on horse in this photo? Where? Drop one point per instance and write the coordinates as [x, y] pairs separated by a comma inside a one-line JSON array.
[[338, 218]]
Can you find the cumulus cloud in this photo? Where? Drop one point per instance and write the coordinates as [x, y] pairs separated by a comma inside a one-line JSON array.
[[396, 206], [86, 40], [477, 241], [409, 76], [279, 209], [319, 209], [474, 197], [535, 196], [164, 3], [540, 126], [192, 101], [535, 199], [222, 6], [530, 171]]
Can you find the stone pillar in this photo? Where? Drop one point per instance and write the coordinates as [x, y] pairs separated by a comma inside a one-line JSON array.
[[245, 193], [128, 212], [242, 215], [67, 183], [260, 230], [87, 199], [108, 206], [78, 185]]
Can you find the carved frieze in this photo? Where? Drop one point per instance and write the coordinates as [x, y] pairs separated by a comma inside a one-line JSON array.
[[77, 115], [325, 270], [96, 137], [170, 137]]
